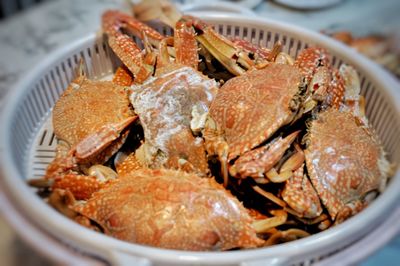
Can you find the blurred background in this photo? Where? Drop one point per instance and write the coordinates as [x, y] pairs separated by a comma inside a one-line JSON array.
[[30, 29]]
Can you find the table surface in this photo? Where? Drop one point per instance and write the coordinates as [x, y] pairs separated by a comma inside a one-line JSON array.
[[26, 38]]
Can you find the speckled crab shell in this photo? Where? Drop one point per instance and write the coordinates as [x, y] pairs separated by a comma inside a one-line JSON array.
[[171, 209], [251, 107], [86, 106], [344, 162]]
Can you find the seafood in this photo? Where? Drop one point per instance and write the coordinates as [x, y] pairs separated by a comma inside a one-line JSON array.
[[236, 55], [265, 100], [288, 169], [141, 66], [91, 122], [342, 177], [164, 103], [167, 208]]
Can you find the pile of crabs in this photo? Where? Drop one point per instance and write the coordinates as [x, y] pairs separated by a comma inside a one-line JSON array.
[[201, 142]]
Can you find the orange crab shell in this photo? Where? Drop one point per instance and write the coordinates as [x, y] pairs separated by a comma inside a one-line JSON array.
[[336, 89], [251, 107], [171, 209], [310, 59], [81, 186], [344, 163], [86, 107]]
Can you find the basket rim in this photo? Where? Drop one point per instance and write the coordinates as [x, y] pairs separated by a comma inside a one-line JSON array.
[[94, 242]]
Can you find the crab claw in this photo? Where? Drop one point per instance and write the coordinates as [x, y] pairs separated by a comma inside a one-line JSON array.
[[300, 195], [257, 162], [336, 90], [96, 142], [235, 59], [80, 186], [185, 45], [310, 59], [123, 77], [113, 22]]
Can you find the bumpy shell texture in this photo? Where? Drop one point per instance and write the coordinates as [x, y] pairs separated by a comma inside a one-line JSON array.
[[86, 106], [251, 107], [171, 209], [344, 159]]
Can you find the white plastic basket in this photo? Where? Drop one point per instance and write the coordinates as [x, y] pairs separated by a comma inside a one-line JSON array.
[[28, 143]]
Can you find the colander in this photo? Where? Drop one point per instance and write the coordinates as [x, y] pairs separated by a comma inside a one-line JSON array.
[[28, 145]]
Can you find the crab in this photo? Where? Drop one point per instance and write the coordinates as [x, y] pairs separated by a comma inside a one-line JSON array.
[[276, 107], [263, 101], [91, 122], [341, 177], [168, 208], [339, 174], [165, 102]]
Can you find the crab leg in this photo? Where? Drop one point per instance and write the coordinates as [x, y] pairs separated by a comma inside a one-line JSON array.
[[286, 171], [291, 233], [262, 54], [113, 21], [122, 76], [162, 10], [80, 186], [185, 44], [262, 226], [125, 48], [350, 209], [259, 161], [225, 51], [300, 195], [233, 56], [269, 196], [215, 144]]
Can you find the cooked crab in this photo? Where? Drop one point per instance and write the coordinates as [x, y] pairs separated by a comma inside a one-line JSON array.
[[169, 208], [341, 177], [91, 122], [165, 102], [249, 109]]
